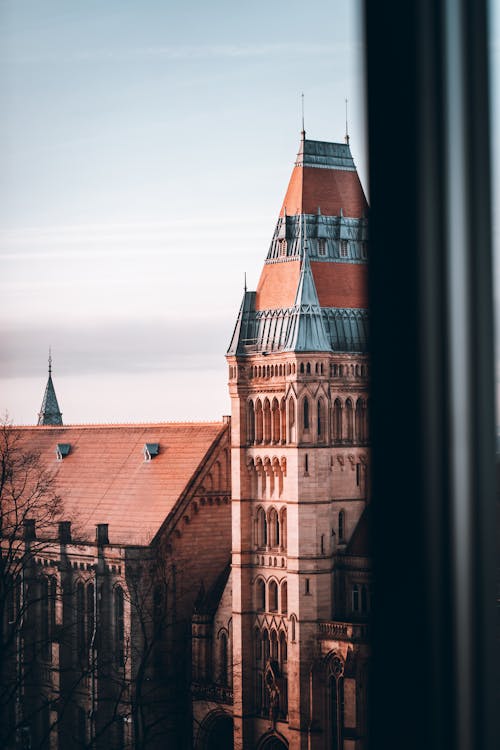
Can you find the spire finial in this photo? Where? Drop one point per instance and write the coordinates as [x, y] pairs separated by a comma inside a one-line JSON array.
[[245, 282], [50, 360], [303, 132], [346, 138]]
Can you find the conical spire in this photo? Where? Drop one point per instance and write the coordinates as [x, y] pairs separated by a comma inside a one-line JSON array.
[[306, 329], [49, 412]]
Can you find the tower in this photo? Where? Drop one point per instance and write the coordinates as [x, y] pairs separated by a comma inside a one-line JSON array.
[[298, 379]]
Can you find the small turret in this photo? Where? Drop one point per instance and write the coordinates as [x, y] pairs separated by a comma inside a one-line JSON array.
[[49, 412]]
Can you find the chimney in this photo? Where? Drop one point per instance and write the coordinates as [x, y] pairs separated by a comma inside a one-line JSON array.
[[65, 532], [101, 534], [29, 529]]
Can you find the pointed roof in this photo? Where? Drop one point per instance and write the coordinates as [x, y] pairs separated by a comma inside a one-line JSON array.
[[306, 330], [312, 294], [324, 176], [50, 413]]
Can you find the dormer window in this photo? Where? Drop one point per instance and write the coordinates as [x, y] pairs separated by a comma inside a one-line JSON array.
[[62, 450], [282, 247], [151, 450], [344, 249], [321, 247]]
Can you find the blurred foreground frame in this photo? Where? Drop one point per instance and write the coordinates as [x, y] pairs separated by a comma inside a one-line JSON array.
[[435, 664]]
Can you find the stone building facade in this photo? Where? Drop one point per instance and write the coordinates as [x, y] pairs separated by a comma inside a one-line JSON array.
[[300, 578], [98, 587]]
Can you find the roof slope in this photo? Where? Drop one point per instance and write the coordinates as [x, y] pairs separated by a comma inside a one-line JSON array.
[[105, 478]]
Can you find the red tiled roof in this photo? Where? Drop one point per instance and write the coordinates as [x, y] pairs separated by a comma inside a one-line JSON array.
[[277, 285], [337, 284], [341, 284], [105, 478], [328, 189]]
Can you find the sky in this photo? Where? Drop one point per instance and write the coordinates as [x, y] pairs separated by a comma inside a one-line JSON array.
[[145, 148]]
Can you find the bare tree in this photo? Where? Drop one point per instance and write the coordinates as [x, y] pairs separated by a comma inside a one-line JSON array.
[[29, 509]]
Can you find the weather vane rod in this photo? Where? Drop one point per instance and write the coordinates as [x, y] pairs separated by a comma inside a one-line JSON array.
[[346, 124], [303, 120]]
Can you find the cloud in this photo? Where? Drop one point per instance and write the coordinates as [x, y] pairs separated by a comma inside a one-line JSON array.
[[186, 52], [125, 346]]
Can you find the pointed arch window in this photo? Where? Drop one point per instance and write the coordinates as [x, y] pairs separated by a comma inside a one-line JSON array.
[[349, 420], [259, 422], [341, 526], [337, 420], [276, 422], [283, 420], [291, 420], [267, 421], [261, 595], [359, 420], [283, 529], [80, 619], [355, 598], [306, 413], [261, 528], [90, 616], [251, 422], [274, 646], [273, 596], [119, 627], [336, 703], [284, 598], [223, 660], [274, 529], [320, 419]]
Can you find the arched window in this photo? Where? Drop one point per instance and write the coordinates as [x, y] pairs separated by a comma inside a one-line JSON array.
[[355, 598], [90, 616], [336, 703], [293, 623], [359, 419], [302, 368], [273, 526], [223, 660], [349, 420], [257, 645], [265, 645], [261, 528], [274, 645], [267, 421], [276, 421], [341, 525], [273, 596], [261, 595], [291, 420], [308, 368], [337, 420], [251, 423], [259, 424], [283, 529], [119, 627], [284, 598], [306, 413], [80, 619], [283, 420], [320, 419], [283, 650], [45, 618]]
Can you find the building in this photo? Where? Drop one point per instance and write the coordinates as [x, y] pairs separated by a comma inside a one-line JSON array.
[[208, 585], [295, 607], [109, 537]]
